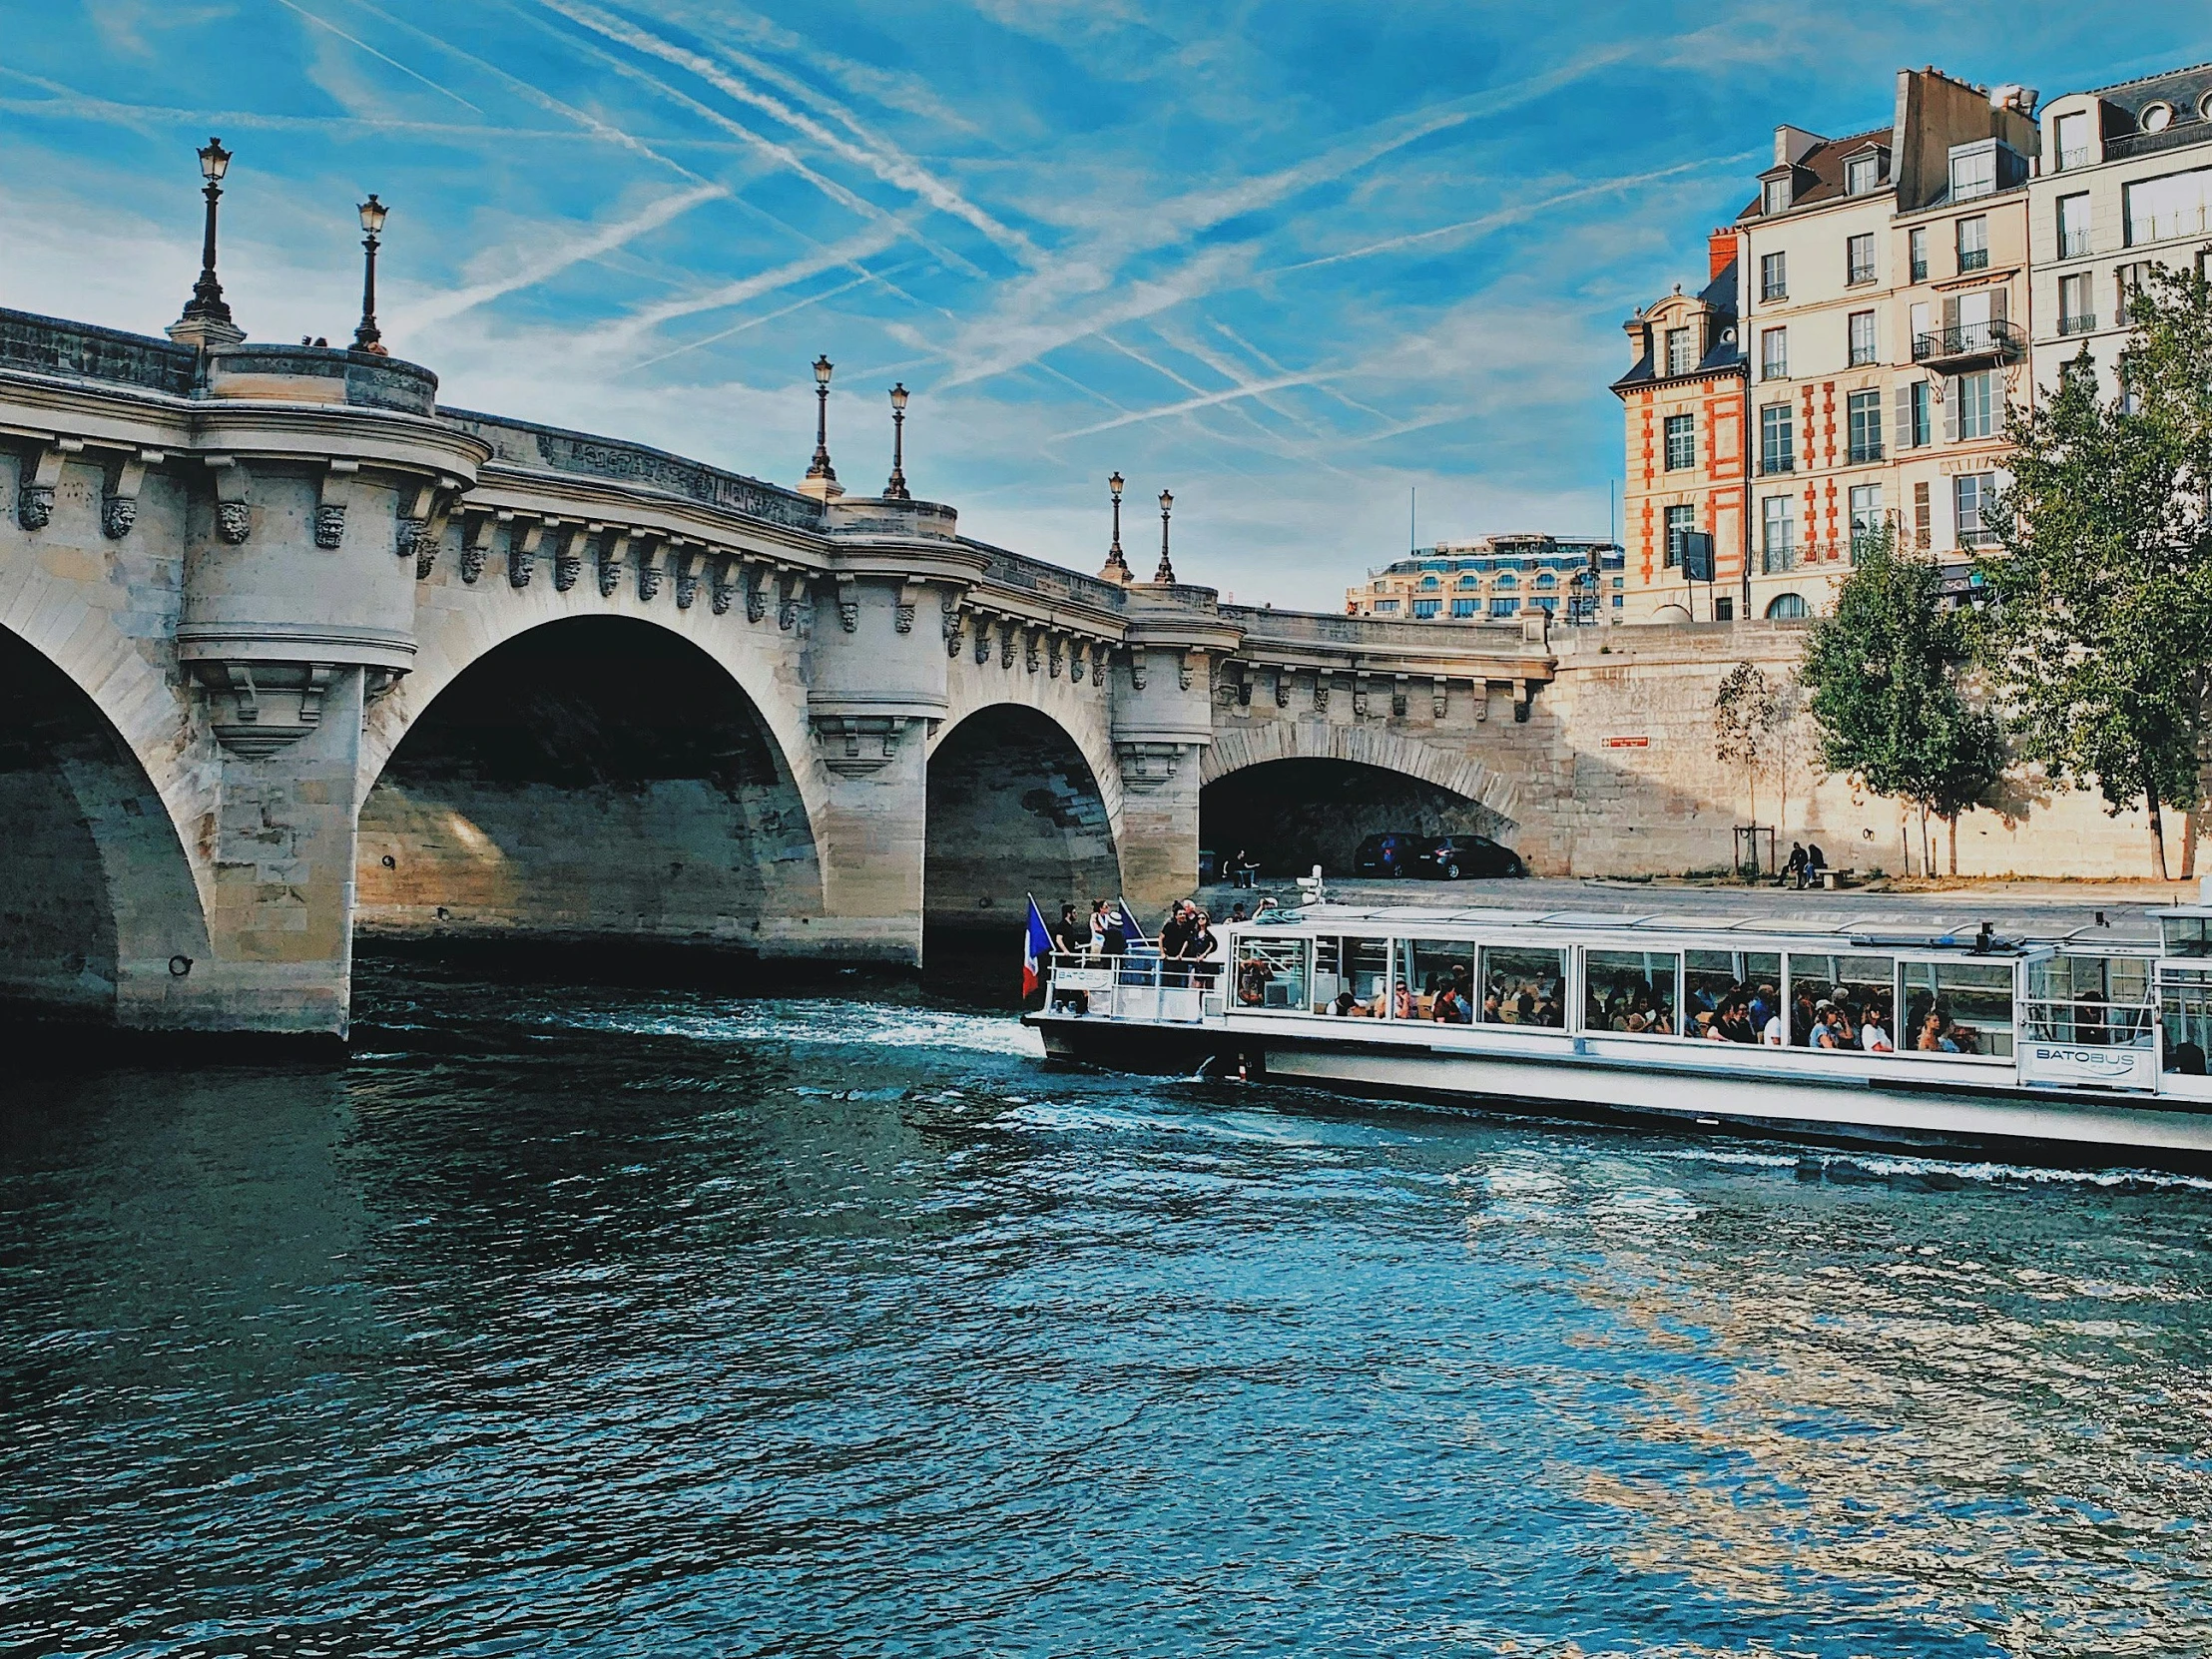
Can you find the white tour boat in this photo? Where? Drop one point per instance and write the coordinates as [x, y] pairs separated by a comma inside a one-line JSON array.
[[2080, 1047]]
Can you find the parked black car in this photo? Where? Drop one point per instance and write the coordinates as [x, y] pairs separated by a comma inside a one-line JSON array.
[[1452, 857], [1394, 855]]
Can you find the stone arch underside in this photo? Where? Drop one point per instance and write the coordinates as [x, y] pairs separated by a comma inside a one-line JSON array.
[[1236, 749], [592, 778], [1013, 807], [97, 894]]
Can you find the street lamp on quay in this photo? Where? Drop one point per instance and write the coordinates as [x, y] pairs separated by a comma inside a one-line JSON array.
[[821, 468], [366, 337], [1117, 567], [896, 490], [1165, 573], [207, 315]]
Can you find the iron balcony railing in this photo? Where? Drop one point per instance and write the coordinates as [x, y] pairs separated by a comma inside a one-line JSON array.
[[2073, 244], [1973, 259], [1995, 339], [2081, 322]]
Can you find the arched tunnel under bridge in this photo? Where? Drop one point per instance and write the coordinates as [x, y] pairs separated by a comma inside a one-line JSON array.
[[594, 779], [1013, 807], [1290, 815]]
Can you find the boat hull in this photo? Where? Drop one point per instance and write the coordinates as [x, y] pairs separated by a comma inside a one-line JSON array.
[[1991, 1116]]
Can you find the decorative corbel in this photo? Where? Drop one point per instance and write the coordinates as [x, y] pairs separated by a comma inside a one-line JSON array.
[[522, 551], [417, 501], [853, 746], [1053, 644], [909, 596], [234, 516], [611, 550], [1524, 694], [34, 496], [565, 545], [1079, 652], [1006, 643], [1440, 696], [790, 584], [949, 606], [1282, 687], [682, 563], [848, 603], [755, 596], [119, 501], [1399, 692], [1137, 667], [722, 588], [476, 533], [1029, 649], [648, 561], [1481, 700], [333, 496], [1359, 696], [1321, 691], [1187, 666], [983, 640]]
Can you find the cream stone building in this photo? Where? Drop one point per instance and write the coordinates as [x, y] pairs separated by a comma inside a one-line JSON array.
[[1883, 272], [1496, 579], [2127, 183]]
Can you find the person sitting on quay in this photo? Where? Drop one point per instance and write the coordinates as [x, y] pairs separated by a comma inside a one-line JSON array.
[[1793, 870]]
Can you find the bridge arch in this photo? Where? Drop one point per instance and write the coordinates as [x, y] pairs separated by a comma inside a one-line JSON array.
[[587, 776], [100, 914], [1019, 800], [1295, 794]]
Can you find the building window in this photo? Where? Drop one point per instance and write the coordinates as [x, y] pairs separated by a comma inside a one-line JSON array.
[[1775, 199], [1862, 174], [1916, 415], [1974, 244], [1866, 519], [1504, 607], [1924, 518], [1470, 581], [1858, 259], [2156, 118], [1862, 338], [1681, 442], [1916, 246], [1974, 171], [1385, 604], [2175, 205], [1680, 522], [2074, 301], [1786, 607], [1777, 536], [1430, 582], [2070, 137], [1774, 277], [1971, 498], [1773, 354], [1425, 608], [2073, 226], [1465, 607], [1724, 609], [1681, 352], [1864, 426], [1777, 439], [1974, 397]]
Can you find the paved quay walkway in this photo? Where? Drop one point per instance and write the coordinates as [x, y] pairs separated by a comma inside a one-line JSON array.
[[2036, 909]]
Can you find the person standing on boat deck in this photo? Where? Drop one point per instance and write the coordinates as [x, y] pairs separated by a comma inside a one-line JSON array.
[[1203, 948], [1098, 928], [1112, 941], [1070, 936]]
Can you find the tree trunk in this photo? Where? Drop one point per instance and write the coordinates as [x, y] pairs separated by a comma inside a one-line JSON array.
[[2189, 844], [1954, 843], [1905, 838], [2158, 833], [1927, 852]]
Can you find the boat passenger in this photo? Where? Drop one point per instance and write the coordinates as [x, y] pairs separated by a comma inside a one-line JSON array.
[[1098, 928], [1448, 1008], [1202, 949], [1931, 1039], [1872, 1037], [1829, 1030], [1771, 1034], [1492, 1014], [1401, 1001], [1803, 1017], [1345, 1005]]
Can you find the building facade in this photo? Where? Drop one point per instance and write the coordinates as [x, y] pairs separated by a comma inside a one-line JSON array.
[[1496, 578], [2127, 183], [1684, 401], [1885, 276]]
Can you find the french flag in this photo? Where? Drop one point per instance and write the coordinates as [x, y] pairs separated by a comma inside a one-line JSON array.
[[1036, 951]]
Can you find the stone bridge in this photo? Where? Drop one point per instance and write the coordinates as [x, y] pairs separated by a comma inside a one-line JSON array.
[[287, 650]]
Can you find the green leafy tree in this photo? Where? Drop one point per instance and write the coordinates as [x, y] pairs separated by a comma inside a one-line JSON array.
[[1747, 708], [1882, 672], [2100, 631]]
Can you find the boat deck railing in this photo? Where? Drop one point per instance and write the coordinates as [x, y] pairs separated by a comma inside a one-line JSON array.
[[1144, 986]]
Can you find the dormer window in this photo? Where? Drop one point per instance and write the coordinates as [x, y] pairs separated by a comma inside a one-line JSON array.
[[1681, 350], [1776, 198], [1974, 171], [2156, 118], [1863, 176]]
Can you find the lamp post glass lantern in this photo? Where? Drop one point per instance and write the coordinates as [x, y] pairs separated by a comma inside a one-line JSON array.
[[896, 490], [206, 302], [1166, 571], [822, 467], [366, 337]]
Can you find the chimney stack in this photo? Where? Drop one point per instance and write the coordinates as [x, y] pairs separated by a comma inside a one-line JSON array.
[[1720, 249]]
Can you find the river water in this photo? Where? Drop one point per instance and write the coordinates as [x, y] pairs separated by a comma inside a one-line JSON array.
[[624, 1322]]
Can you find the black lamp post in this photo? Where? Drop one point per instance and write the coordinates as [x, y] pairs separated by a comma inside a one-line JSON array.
[[206, 302], [1166, 571], [366, 337], [1117, 567], [896, 490], [821, 468]]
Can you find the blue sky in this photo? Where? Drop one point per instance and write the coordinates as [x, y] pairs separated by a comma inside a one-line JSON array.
[[1292, 261]]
